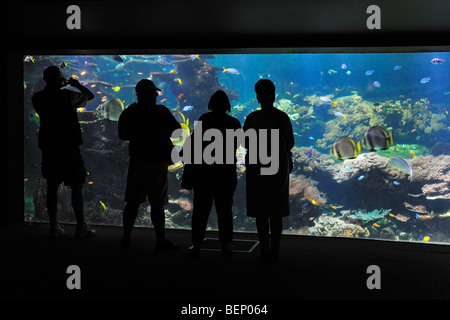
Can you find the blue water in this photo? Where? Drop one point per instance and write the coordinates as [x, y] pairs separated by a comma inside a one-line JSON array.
[[396, 78]]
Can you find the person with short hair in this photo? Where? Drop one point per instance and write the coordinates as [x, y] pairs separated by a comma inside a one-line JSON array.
[[268, 195], [148, 127], [213, 181], [59, 139]]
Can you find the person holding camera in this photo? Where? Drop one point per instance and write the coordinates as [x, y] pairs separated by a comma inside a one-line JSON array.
[[59, 139]]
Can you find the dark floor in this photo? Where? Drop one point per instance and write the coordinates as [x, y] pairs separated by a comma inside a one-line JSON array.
[[34, 267]]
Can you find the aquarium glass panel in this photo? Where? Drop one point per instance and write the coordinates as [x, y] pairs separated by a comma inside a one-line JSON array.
[[388, 179]]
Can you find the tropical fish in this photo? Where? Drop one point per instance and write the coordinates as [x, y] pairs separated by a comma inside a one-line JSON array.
[[187, 108], [117, 58], [28, 59], [82, 73], [396, 183], [310, 168], [339, 114], [116, 89], [314, 201], [312, 138], [437, 61], [397, 68], [348, 72], [400, 217], [334, 207], [402, 165], [180, 95], [369, 72], [425, 80], [111, 109], [174, 167], [376, 225], [307, 206], [178, 80], [326, 99], [377, 138], [63, 64], [412, 153], [344, 66], [231, 70], [426, 238], [376, 84], [345, 148], [103, 205], [163, 61], [331, 71], [179, 116], [184, 191]]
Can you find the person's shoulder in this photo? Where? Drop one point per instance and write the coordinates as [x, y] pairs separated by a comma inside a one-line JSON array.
[[234, 121], [162, 108], [130, 108]]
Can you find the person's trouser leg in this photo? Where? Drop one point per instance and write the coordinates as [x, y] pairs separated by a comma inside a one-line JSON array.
[[276, 229], [78, 203], [129, 216], [158, 220], [262, 226], [224, 204], [202, 207], [52, 201]]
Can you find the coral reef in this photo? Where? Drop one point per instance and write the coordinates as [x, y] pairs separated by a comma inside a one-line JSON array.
[[434, 173], [364, 217], [335, 227], [300, 184]]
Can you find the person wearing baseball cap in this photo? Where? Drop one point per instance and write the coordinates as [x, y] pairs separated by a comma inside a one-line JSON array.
[[148, 127]]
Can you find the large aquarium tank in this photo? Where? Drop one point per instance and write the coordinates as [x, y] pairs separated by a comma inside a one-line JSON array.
[[388, 179]]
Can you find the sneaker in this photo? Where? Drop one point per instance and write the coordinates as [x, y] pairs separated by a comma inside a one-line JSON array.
[[56, 231], [166, 246], [84, 232]]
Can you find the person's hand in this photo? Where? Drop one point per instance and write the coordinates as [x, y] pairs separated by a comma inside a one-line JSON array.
[[74, 82]]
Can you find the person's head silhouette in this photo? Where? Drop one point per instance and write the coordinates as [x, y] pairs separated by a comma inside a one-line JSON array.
[[53, 77], [219, 102], [146, 91], [265, 92]]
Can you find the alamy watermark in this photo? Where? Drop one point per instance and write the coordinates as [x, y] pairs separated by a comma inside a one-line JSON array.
[[258, 153]]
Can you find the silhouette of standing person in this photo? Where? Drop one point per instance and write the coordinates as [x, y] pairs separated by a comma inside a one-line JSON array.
[[268, 195], [213, 181], [148, 128], [59, 139]]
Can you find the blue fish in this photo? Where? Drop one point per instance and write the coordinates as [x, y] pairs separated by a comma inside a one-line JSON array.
[[360, 177], [417, 216], [425, 80], [188, 108], [312, 138], [396, 183], [348, 169], [369, 72], [397, 68]]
